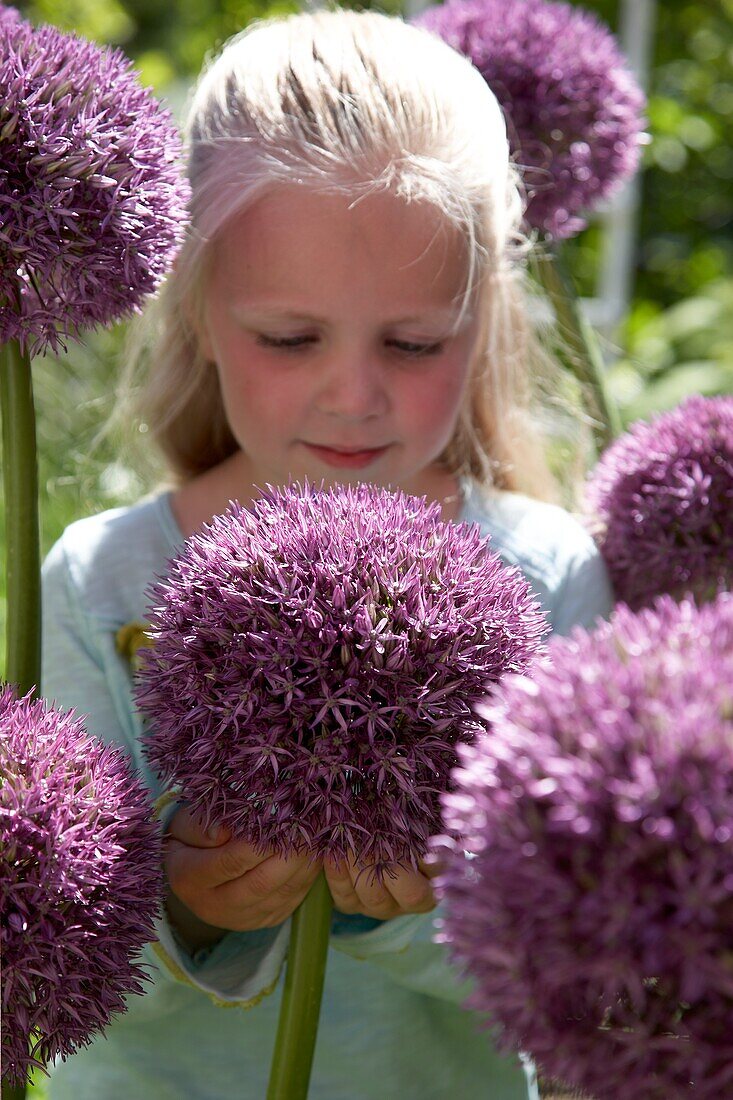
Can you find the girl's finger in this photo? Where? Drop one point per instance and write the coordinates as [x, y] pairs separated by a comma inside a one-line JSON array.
[[345, 898], [412, 891], [374, 896], [431, 866], [188, 828], [287, 877], [205, 868]]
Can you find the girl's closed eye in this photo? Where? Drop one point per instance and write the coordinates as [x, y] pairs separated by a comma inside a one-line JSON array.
[[414, 349], [285, 343], [409, 348]]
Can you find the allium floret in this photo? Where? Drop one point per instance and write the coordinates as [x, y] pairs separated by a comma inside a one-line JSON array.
[[80, 883], [661, 497], [573, 107], [597, 915], [9, 15], [314, 665], [92, 200]]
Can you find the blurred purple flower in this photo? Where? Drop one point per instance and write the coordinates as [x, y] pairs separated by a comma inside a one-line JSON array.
[[80, 883], [573, 107], [662, 498], [92, 202], [8, 15], [314, 665], [597, 915]]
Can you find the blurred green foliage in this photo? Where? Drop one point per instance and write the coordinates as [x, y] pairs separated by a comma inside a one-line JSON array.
[[676, 339], [686, 224], [671, 353]]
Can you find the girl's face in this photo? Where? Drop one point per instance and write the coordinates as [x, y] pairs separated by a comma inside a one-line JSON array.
[[330, 329]]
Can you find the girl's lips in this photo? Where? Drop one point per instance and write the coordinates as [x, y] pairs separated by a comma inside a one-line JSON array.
[[352, 460]]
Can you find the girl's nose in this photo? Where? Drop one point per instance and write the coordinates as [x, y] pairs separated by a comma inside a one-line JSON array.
[[353, 389]]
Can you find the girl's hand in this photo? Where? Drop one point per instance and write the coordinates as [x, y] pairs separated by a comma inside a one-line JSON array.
[[226, 884], [355, 890]]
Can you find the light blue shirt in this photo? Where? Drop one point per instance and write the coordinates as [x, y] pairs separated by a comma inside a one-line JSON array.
[[391, 1024]]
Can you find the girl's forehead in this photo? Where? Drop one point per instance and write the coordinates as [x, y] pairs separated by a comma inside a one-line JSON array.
[[292, 231], [301, 208]]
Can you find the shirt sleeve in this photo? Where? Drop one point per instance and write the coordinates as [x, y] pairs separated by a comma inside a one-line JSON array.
[[82, 670], [584, 595], [404, 947]]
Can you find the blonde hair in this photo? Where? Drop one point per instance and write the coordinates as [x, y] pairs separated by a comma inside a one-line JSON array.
[[353, 102]]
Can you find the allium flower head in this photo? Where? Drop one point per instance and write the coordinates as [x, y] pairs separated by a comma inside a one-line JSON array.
[[92, 204], [573, 107], [597, 914], [80, 883], [314, 665], [662, 498], [8, 15]]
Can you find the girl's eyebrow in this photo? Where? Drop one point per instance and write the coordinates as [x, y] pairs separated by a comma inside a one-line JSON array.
[[448, 317]]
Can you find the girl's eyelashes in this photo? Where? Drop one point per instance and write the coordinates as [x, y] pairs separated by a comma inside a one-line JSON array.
[[407, 348], [292, 343], [415, 350]]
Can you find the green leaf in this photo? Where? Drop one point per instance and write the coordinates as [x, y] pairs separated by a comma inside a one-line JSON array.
[[706, 377]]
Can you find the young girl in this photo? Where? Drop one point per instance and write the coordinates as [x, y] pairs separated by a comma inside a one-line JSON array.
[[348, 306]]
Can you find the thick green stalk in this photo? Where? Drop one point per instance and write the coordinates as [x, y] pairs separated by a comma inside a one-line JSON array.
[[301, 1003], [22, 544], [13, 1094], [579, 347]]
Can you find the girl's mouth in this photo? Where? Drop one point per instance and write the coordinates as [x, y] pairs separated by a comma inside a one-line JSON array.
[[346, 459]]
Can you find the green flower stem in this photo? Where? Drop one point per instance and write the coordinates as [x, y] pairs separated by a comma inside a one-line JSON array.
[[579, 346], [20, 482], [13, 1093], [301, 1003], [22, 543]]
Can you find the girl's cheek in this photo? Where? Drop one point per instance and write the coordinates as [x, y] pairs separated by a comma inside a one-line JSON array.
[[442, 390]]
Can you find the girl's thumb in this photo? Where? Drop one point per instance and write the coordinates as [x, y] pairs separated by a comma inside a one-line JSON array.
[[190, 829]]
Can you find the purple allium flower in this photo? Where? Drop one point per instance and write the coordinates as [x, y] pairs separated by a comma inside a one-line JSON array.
[[92, 203], [597, 915], [314, 665], [80, 883], [573, 107], [8, 15], [662, 498]]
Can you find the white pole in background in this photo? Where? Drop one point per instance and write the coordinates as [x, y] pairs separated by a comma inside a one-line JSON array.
[[614, 287]]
